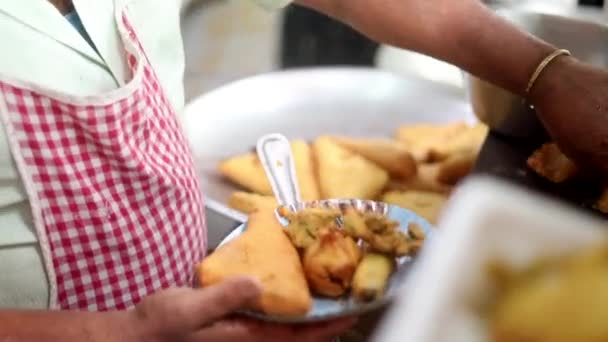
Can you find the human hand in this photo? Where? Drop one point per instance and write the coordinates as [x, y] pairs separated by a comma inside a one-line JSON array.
[[193, 315], [571, 99]]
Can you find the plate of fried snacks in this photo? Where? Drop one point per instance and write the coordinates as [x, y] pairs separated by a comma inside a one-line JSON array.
[[532, 270], [317, 260]]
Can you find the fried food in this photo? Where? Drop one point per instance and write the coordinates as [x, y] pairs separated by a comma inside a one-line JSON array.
[[307, 178], [344, 174], [426, 204], [379, 232], [303, 227], [456, 167], [389, 154], [247, 171], [248, 203], [427, 179], [602, 202], [262, 251], [550, 163], [468, 141], [559, 300], [330, 262], [372, 275], [424, 138]]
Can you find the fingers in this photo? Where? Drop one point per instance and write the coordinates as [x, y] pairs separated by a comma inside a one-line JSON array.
[[245, 330], [204, 306]]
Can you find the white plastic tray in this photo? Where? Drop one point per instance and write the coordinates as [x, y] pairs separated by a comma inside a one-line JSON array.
[[485, 221]]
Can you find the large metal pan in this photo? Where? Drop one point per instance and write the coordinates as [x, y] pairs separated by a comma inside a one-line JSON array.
[[304, 104]]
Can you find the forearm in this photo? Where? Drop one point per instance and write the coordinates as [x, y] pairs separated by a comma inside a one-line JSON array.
[[462, 32], [479, 41], [65, 326]]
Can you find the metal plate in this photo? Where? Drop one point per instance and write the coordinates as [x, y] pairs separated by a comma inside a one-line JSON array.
[[305, 104], [325, 309]]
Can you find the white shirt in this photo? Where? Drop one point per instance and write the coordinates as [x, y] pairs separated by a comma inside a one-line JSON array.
[[42, 47]]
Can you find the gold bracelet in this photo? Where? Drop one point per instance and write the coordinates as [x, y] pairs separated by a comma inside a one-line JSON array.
[[543, 65]]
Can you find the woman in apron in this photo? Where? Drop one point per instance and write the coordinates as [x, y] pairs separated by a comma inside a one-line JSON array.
[[100, 207], [569, 96]]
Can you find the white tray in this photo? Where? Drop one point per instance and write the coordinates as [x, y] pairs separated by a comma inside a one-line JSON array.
[[485, 221]]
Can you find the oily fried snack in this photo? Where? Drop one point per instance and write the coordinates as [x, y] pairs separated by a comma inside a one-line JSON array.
[[246, 171], [372, 275], [305, 224], [421, 139], [379, 232], [456, 167], [468, 141], [307, 178], [344, 174], [330, 262], [602, 202], [389, 154], [248, 203], [264, 252], [557, 300], [426, 204], [427, 179], [550, 163]]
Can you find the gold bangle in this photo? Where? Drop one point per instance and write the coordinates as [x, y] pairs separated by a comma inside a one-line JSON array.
[[543, 65]]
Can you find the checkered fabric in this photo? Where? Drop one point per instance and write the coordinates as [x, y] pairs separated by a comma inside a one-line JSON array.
[[112, 184]]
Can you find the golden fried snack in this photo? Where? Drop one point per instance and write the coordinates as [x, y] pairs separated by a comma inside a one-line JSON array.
[[247, 171], [421, 139], [602, 202], [456, 167], [247, 202], [560, 300], [468, 141], [372, 275], [330, 262], [427, 179], [344, 174], [307, 178], [304, 225], [550, 163], [379, 232], [262, 251], [389, 154], [426, 204]]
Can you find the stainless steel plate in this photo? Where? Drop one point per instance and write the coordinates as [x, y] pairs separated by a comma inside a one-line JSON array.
[[325, 309], [304, 104]]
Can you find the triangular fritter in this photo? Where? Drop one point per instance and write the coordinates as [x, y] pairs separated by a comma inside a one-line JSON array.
[[307, 179], [248, 202], [247, 171], [389, 154], [263, 251], [344, 174]]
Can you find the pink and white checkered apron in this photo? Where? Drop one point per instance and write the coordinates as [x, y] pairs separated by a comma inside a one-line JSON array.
[[112, 186]]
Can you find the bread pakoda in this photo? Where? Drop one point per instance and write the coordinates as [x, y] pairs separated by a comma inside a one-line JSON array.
[[330, 262], [426, 204], [421, 139], [456, 167], [426, 180], [248, 203], [247, 171], [468, 141], [344, 174], [265, 252], [549, 162], [305, 170], [389, 154]]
